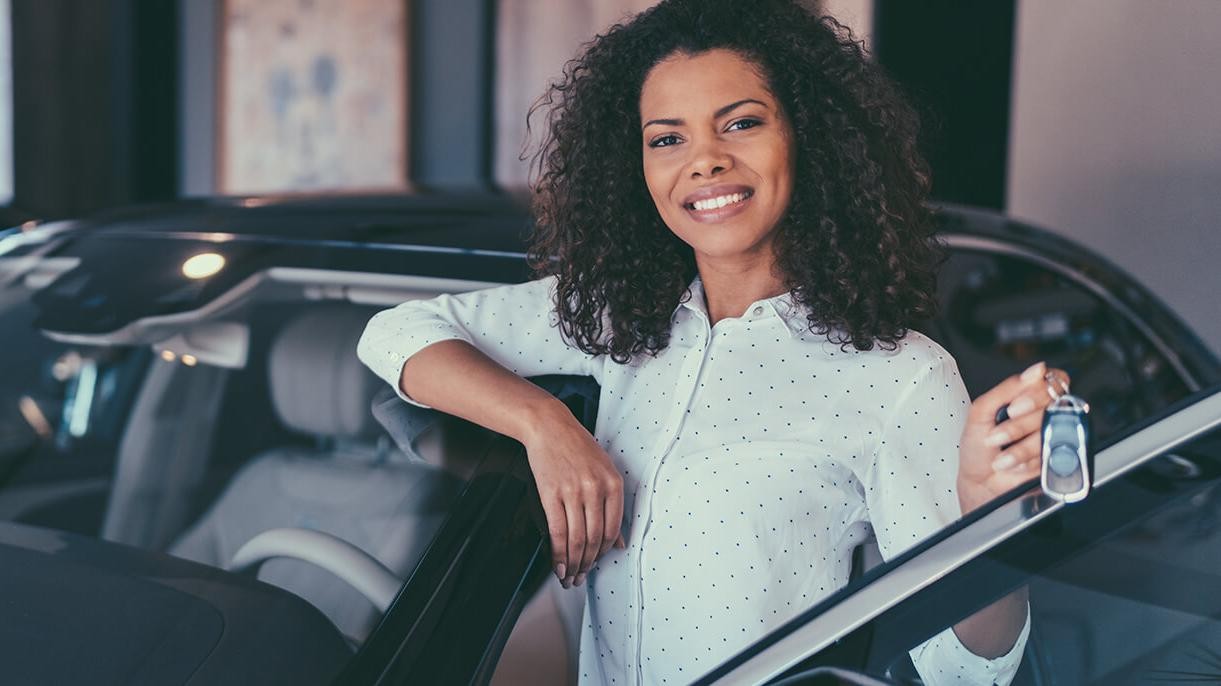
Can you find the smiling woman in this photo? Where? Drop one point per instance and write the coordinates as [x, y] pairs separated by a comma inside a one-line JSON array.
[[734, 244], [842, 202]]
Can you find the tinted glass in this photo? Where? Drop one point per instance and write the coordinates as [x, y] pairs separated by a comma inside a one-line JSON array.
[[1123, 588], [1002, 313], [197, 435]]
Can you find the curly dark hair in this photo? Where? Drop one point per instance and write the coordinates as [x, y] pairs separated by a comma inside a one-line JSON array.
[[856, 245]]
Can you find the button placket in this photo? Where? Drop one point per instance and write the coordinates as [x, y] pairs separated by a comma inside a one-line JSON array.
[[692, 369]]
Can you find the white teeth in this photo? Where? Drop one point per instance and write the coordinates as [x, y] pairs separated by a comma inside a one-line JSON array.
[[719, 201]]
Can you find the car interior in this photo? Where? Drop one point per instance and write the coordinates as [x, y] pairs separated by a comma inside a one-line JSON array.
[[260, 420]]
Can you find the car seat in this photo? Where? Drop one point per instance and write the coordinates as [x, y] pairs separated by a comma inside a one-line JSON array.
[[353, 483]]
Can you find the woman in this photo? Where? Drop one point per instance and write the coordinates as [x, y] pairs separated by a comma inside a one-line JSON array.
[[733, 241]]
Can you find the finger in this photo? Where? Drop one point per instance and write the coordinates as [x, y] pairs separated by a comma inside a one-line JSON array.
[[614, 520], [1007, 481], [576, 536], [1013, 430], [1057, 381], [620, 543], [983, 410], [1018, 455], [1037, 398], [594, 516], [557, 530]]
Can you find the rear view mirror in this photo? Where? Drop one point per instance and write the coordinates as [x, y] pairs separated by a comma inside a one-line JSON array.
[[219, 344]]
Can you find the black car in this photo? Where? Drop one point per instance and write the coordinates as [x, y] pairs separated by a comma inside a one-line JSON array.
[[199, 483]]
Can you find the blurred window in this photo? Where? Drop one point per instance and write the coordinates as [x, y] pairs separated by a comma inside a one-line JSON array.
[[1001, 313]]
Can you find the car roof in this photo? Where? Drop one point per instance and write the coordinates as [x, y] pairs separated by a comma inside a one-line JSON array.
[[474, 221]]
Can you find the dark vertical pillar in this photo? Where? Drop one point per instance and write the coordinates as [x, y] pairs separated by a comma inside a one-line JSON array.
[[452, 53], [62, 118], [93, 104], [955, 58], [153, 127]]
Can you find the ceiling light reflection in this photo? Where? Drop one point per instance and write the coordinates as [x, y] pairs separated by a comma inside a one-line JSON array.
[[203, 265]]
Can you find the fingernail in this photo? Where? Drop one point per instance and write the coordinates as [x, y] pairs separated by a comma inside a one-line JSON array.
[[1032, 373], [580, 579], [1020, 407], [560, 569], [1005, 461], [996, 438]]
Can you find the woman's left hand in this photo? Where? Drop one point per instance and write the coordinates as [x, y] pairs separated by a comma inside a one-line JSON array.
[[985, 470]]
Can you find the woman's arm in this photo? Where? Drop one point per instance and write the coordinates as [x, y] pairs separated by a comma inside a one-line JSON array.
[[987, 470], [581, 491], [465, 355], [914, 489]]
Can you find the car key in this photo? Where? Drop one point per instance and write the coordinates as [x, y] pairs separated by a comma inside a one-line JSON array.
[[1068, 466]]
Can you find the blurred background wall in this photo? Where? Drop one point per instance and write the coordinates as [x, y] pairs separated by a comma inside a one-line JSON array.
[[1116, 139]]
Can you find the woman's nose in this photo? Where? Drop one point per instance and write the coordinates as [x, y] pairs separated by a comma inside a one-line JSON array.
[[708, 160]]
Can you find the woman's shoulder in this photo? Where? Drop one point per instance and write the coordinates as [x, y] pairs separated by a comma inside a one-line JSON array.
[[915, 351]]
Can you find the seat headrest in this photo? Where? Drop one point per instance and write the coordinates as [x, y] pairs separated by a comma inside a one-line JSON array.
[[318, 386]]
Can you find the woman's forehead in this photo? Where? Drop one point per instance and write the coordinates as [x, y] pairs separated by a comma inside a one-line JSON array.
[[690, 83]]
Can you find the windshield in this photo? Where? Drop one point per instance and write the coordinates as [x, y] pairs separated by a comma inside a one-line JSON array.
[[194, 437]]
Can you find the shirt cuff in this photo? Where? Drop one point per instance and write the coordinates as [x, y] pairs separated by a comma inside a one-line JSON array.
[[943, 659], [385, 350]]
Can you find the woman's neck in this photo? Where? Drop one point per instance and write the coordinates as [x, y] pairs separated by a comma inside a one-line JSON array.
[[729, 291]]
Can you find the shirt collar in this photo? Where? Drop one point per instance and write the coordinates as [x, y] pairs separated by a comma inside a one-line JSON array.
[[782, 307]]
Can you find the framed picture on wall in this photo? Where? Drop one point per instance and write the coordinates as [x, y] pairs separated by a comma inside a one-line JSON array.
[[312, 96]]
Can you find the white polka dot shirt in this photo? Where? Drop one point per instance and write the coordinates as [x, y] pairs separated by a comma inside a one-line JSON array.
[[755, 457]]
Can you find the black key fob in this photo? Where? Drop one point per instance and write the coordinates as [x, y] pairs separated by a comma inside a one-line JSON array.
[[1068, 469]]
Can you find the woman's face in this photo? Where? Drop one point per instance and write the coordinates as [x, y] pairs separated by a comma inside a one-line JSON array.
[[718, 154]]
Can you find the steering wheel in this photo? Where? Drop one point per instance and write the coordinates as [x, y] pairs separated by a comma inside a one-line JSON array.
[[358, 569]]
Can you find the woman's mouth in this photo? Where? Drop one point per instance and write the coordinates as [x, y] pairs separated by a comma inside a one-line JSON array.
[[715, 208]]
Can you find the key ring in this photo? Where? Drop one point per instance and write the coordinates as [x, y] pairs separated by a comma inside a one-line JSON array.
[[1052, 379]]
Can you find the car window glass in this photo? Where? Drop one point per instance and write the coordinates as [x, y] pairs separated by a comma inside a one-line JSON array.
[[1135, 605], [1001, 313], [167, 446]]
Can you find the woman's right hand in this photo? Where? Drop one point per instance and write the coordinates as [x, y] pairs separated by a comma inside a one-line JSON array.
[[581, 492]]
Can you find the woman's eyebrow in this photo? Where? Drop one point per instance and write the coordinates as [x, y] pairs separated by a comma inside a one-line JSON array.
[[716, 115]]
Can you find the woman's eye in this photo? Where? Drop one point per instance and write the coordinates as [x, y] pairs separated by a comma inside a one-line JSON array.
[[663, 141], [743, 124]]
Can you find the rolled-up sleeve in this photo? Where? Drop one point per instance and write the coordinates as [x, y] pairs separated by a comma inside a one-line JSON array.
[[911, 494], [943, 659], [514, 325]]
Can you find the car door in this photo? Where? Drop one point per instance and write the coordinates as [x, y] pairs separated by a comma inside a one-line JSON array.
[[1122, 586], [452, 618]]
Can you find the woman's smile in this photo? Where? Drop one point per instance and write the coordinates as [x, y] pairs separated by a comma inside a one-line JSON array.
[[717, 203]]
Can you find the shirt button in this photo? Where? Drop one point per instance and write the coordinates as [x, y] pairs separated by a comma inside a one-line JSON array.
[[758, 310]]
